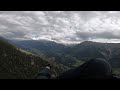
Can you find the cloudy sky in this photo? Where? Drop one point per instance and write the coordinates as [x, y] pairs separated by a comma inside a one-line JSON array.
[[61, 26]]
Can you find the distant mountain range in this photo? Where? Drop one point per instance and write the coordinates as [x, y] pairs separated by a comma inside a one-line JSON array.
[[74, 55]]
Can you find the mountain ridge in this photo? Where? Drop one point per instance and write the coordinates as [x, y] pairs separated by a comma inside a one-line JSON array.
[[83, 51]]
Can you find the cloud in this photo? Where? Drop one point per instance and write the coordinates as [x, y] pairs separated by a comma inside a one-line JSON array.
[[102, 35], [61, 26]]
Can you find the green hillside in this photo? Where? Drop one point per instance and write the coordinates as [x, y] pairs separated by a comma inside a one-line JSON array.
[[16, 63]]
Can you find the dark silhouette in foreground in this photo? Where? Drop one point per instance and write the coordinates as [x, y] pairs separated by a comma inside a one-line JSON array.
[[45, 73], [92, 69]]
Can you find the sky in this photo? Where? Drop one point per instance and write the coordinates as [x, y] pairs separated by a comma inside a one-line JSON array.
[[67, 27]]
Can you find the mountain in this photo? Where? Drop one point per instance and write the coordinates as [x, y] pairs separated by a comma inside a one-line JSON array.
[[74, 55], [50, 49], [88, 49], [24, 59], [42, 46], [16, 63]]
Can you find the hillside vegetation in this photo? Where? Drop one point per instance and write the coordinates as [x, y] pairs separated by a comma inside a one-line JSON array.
[[16, 63]]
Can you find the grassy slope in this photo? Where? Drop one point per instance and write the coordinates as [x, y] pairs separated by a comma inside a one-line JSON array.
[[17, 63], [78, 63], [116, 71]]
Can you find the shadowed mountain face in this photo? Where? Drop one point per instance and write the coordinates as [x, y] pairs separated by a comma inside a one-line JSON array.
[[74, 55], [16, 63]]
